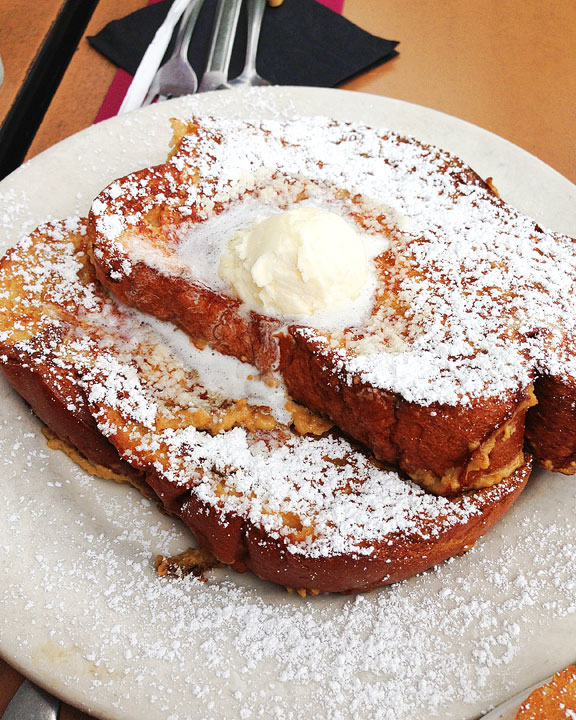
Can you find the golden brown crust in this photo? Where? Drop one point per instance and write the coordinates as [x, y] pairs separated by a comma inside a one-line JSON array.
[[439, 445], [237, 542], [431, 441], [550, 425], [97, 470], [59, 392], [556, 700], [246, 547], [49, 392], [481, 464], [445, 447], [193, 561]]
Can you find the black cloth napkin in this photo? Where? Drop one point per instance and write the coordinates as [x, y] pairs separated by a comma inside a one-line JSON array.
[[302, 43]]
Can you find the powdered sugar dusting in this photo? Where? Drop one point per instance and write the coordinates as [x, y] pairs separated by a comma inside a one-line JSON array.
[[136, 388], [472, 298], [446, 644], [85, 603]]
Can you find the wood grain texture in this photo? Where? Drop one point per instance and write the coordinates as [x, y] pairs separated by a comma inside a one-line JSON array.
[[509, 67], [83, 87], [21, 37]]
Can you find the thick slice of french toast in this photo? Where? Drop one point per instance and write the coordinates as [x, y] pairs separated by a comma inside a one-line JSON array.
[[471, 301], [307, 511]]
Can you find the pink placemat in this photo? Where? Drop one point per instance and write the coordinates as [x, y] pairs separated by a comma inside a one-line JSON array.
[[122, 79]]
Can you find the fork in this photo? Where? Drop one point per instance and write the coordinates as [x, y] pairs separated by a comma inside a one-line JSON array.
[[32, 703], [249, 75], [177, 77], [216, 74]]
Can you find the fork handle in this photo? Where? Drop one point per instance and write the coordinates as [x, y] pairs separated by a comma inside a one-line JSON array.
[[32, 703], [186, 28], [255, 14], [223, 36]]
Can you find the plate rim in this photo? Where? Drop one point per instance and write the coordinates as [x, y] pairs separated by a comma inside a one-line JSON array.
[[65, 146]]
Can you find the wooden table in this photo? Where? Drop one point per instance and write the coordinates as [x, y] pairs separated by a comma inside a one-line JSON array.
[[509, 67]]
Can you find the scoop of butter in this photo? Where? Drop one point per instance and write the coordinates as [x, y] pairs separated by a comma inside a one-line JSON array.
[[296, 262]]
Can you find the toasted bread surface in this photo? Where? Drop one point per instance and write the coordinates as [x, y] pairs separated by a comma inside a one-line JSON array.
[[550, 426], [471, 300], [556, 700], [310, 512]]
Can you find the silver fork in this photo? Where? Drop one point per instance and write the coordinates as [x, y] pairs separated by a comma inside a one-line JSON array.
[[216, 74], [177, 77], [32, 703], [249, 75]]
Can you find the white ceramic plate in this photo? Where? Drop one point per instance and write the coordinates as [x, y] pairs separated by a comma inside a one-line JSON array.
[[82, 612]]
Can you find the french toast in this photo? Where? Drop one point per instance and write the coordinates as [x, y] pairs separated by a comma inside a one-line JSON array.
[[471, 303], [306, 511], [555, 700]]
